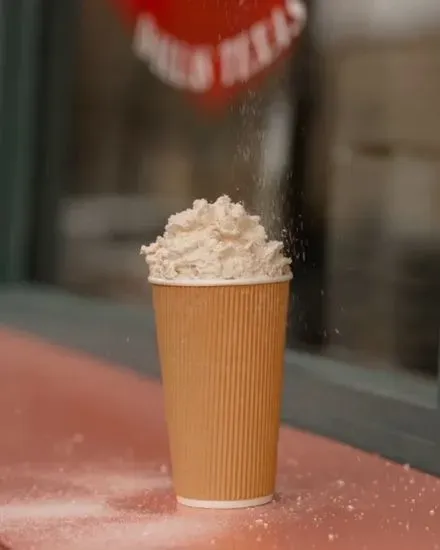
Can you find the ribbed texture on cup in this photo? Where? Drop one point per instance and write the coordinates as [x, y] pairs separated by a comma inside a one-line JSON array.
[[221, 352]]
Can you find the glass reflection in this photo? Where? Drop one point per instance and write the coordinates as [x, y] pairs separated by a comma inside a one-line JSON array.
[[344, 164]]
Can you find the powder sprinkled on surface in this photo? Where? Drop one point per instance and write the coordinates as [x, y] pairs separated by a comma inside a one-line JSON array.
[[50, 510], [154, 533], [96, 507], [218, 240]]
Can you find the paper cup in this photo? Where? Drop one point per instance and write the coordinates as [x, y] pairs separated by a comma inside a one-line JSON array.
[[221, 347]]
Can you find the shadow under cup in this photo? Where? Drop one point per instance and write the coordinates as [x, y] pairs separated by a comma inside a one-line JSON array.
[[221, 347]]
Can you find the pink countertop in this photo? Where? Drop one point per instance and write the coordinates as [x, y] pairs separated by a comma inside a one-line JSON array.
[[84, 465]]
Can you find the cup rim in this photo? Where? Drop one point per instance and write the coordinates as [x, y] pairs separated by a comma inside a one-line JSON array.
[[220, 282]]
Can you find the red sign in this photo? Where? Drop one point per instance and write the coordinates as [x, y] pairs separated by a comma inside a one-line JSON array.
[[213, 48]]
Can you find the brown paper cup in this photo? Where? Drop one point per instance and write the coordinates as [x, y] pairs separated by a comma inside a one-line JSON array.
[[221, 347]]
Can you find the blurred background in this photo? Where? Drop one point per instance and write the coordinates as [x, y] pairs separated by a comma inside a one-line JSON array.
[[338, 151]]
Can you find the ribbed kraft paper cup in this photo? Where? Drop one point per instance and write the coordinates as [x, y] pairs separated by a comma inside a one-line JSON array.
[[221, 347]]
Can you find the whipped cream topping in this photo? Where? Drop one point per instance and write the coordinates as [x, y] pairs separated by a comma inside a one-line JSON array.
[[218, 240]]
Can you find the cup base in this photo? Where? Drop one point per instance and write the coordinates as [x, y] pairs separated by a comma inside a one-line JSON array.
[[225, 504]]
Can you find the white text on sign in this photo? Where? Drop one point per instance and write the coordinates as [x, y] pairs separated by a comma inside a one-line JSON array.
[[239, 58]]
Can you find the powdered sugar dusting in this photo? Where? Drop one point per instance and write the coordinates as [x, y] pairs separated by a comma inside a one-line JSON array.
[[95, 507], [41, 510], [114, 483], [156, 534]]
